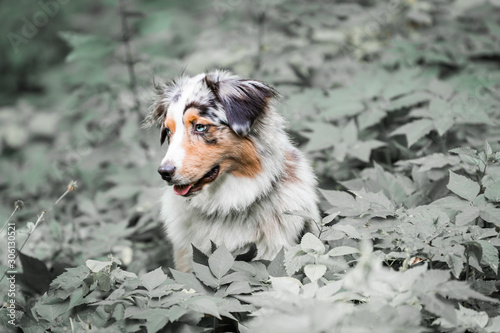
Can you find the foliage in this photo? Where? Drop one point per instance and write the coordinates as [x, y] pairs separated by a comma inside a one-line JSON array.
[[395, 103]]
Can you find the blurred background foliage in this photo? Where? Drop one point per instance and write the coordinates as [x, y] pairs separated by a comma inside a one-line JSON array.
[[362, 81]]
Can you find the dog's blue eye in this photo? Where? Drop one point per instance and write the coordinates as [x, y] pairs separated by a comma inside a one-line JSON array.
[[200, 128]]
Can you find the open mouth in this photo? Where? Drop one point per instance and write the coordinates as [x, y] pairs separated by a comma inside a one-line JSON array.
[[188, 189]]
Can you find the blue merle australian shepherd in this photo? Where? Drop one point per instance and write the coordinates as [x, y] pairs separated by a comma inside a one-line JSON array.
[[231, 167]]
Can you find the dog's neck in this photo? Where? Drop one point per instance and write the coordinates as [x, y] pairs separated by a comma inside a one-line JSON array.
[[231, 194]]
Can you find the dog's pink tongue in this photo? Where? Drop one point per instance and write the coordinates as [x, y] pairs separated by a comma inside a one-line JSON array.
[[182, 189]]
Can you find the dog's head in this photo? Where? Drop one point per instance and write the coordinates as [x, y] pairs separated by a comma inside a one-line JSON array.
[[207, 122]]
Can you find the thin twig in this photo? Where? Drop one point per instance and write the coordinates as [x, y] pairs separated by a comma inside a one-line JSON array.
[[129, 60], [261, 20], [18, 205], [71, 187], [38, 221], [467, 266]]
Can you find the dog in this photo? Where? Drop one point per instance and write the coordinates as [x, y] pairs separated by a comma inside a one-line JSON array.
[[231, 168]]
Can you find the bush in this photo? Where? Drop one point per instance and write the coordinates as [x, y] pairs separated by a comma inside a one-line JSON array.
[[397, 108]]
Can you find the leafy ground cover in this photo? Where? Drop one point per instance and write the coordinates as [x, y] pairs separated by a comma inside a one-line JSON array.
[[396, 104]]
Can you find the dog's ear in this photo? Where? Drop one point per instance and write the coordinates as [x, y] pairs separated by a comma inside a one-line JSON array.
[[243, 100], [158, 109]]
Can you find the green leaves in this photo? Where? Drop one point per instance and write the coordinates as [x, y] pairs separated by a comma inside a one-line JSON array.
[[492, 191], [364, 203], [342, 251], [463, 186], [153, 279], [324, 136], [314, 272], [220, 262], [345, 141], [87, 47], [470, 157], [311, 244], [415, 130], [485, 252]]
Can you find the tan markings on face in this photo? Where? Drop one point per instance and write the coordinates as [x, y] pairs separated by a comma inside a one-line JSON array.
[[170, 124], [291, 159], [218, 146]]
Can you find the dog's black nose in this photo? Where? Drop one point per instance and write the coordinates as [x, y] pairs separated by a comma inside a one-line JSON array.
[[166, 171]]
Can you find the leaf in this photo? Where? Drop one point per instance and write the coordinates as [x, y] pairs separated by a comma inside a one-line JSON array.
[[204, 274], [220, 262], [96, 266], [349, 230], [118, 312], [323, 136], [311, 244], [276, 267], [153, 279], [295, 259], [489, 254], [337, 109], [175, 312], [51, 312], [71, 278], [441, 88], [329, 218], [344, 203], [342, 251], [409, 100], [487, 149], [492, 192], [314, 271], [203, 305], [87, 47], [350, 133], [442, 115], [379, 204], [286, 284], [415, 130], [238, 287], [433, 161], [370, 117], [35, 273], [467, 215], [199, 257], [467, 155], [189, 281], [396, 186], [156, 319], [237, 276], [456, 263], [490, 214], [103, 281], [463, 187], [362, 149]]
